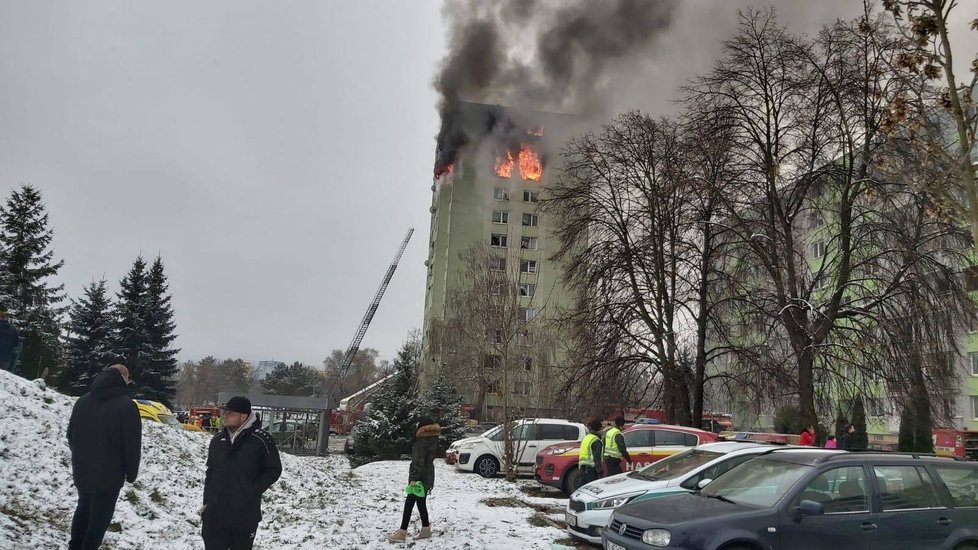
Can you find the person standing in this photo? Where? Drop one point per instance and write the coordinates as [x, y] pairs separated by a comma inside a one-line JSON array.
[[831, 443], [421, 479], [845, 438], [807, 438], [9, 342], [589, 459], [242, 463], [105, 438], [614, 448]]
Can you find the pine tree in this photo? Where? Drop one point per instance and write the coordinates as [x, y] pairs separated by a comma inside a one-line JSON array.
[[159, 370], [860, 439], [89, 339], [443, 403], [130, 337], [27, 264], [387, 429], [294, 379], [915, 427]]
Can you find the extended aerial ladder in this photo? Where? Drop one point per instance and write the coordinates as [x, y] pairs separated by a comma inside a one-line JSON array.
[[351, 351]]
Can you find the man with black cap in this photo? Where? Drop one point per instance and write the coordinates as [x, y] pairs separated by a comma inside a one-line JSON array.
[[105, 437], [242, 463]]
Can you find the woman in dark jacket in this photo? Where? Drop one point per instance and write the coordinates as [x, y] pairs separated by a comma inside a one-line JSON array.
[[422, 471]]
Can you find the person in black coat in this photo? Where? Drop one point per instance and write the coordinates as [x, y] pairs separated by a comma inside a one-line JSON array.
[[9, 342], [105, 437], [845, 438], [422, 470], [242, 463]]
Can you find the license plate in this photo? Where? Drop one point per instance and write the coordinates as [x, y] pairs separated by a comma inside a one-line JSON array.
[[571, 519], [613, 546]]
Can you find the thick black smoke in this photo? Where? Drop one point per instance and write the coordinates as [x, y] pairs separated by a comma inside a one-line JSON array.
[[539, 54]]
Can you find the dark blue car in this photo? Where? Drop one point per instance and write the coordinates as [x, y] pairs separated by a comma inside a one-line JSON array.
[[811, 499]]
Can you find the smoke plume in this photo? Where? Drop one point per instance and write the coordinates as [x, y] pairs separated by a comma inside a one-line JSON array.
[[554, 55]]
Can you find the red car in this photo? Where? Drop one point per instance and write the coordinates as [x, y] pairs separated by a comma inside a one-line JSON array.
[[557, 464]]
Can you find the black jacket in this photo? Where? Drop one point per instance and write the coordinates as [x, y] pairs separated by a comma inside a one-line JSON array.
[[105, 435], [845, 440], [423, 454], [9, 342], [238, 474]]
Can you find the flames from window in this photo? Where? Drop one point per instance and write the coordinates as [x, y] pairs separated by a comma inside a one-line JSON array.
[[528, 161], [445, 171]]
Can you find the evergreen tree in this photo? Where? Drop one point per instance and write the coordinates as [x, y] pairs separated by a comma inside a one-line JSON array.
[[387, 429], [159, 370], [443, 403], [130, 337], [89, 339], [915, 428], [294, 379], [860, 439], [27, 263]]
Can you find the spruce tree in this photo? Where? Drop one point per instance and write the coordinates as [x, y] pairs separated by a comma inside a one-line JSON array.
[[159, 370], [294, 379], [443, 403], [387, 429], [89, 339], [130, 337], [27, 264]]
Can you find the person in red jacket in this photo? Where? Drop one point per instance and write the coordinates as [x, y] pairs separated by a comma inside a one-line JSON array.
[[807, 437]]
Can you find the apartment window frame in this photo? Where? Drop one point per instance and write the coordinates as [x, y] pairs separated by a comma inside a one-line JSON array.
[[531, 220], [528, 363], [528, 290], [500, 217], [500, 194], [974, 406], [531, 266], [818, 249], [498, 240], [973, 359], [528, 313], [531, 196], [529, 243], [497, 264]]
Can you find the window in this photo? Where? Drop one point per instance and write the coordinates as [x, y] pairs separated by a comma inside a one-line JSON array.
[[497, 288], [821, 281], [838, 490], [905, 488], [496, 336], [500, 216], [528, 363], [497, 240], [528, 266], [500, 194], [524, 338], [558, 432], [528, 290], [973, 357], [962, 483], [638, 438], [492, 387], [818, 249], [528, 243], [531, 196], [877, 406], [531, 220], [974, 407], [491, 361], [527, 313], [668, 437], [520, 388], [497, 264], [817, 220], [690, 440]]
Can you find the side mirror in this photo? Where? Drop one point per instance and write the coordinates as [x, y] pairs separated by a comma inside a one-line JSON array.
[[703, 483], [808, 508]]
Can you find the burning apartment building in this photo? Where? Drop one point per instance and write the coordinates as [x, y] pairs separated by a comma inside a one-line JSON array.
[[493, 292]]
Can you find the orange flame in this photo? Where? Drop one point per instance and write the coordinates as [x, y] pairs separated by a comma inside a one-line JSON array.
[[444, 170], [504, 167], [530, 166]]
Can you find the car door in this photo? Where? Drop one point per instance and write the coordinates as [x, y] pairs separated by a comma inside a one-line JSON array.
[[670, 442], [544, 435], [911, 514], [639, 445], [846, 521], [959, 483]]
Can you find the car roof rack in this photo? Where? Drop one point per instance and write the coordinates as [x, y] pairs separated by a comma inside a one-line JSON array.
[[897, 454]]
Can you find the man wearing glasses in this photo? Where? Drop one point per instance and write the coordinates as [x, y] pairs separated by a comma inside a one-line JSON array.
[[242, 463]]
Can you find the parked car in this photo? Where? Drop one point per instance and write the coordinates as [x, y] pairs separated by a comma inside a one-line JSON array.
[[813, 499], [557, 465], [451, 454], [590, 507], [484, 454], [154, 411]]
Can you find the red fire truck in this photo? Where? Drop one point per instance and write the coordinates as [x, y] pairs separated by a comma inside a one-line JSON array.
[[956, 443]]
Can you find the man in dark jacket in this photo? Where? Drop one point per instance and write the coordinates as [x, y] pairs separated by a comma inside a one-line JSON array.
[[9, 342], [845, 438], [105, 437], [242, 463]]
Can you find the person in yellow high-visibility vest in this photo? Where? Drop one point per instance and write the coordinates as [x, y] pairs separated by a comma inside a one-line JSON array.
[[589, 459], [614, 448]]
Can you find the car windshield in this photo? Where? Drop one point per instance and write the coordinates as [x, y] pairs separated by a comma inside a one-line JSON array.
[[495, 433], [759, 482], [677, 465], [168, 419]]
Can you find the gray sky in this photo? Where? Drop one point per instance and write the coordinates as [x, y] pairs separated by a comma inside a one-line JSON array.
[[273, 152]]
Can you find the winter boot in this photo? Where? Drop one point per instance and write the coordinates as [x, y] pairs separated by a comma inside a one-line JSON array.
[[424, 534], [397, 536]]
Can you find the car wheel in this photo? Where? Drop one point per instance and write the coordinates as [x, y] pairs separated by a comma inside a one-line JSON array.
[[487, 466], [572, 480]]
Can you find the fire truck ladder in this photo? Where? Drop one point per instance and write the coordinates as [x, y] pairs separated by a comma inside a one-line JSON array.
[[371, 310]]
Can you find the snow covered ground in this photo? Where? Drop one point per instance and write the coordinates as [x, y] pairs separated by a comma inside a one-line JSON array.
[[318, 502]]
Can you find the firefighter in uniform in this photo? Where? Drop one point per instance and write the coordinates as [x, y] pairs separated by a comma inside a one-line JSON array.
[[589, 458], [614, 448]]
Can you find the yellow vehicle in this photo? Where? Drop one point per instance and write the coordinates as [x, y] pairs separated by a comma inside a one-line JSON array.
[[155, 411]]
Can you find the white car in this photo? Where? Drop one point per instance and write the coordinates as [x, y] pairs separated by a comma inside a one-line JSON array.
[[484, 454], [590, 507]]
